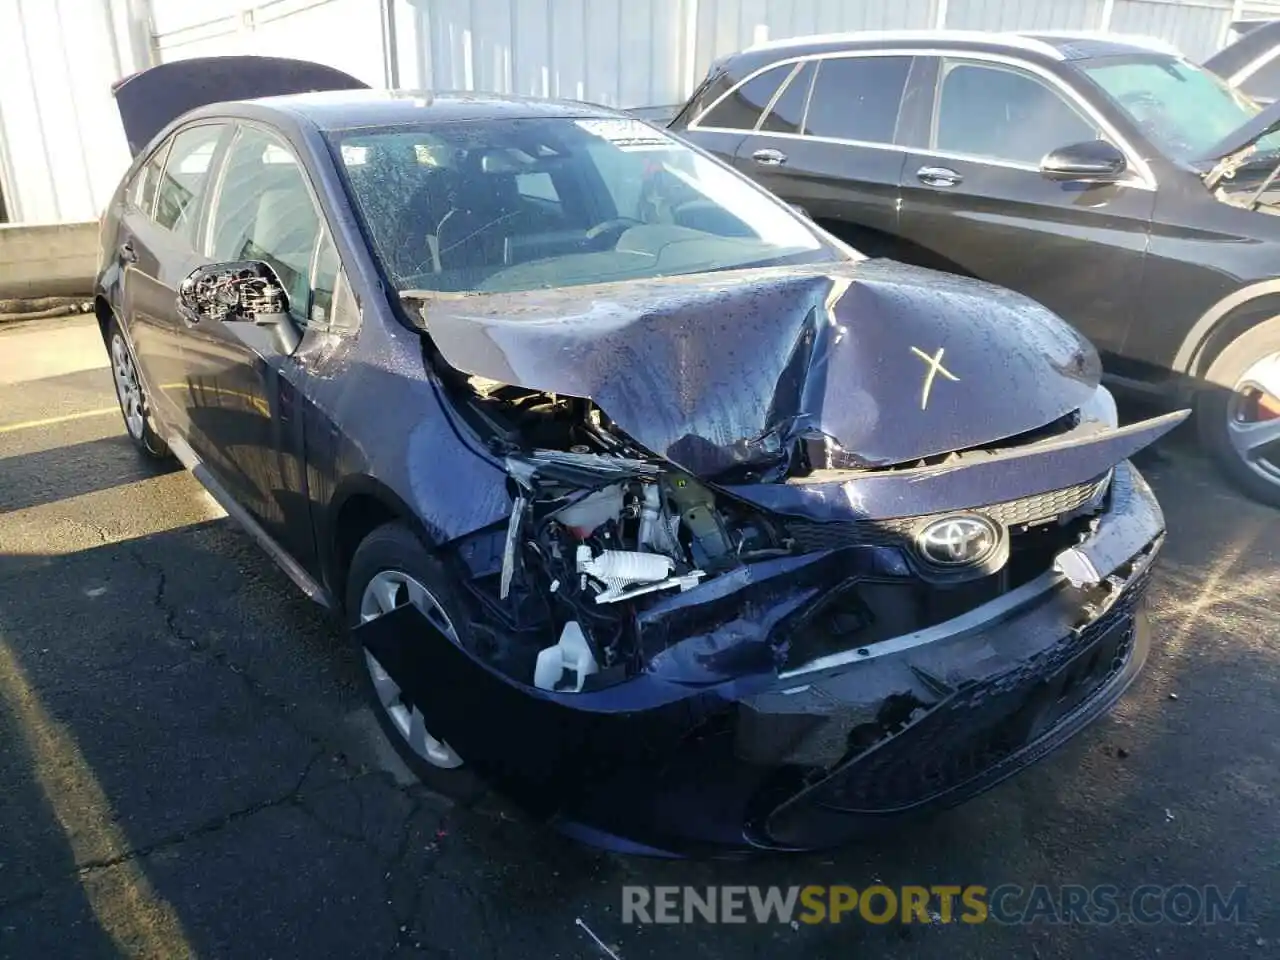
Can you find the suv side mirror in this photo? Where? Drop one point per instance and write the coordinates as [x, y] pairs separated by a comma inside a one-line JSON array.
[[244, 291], [1094, 161]]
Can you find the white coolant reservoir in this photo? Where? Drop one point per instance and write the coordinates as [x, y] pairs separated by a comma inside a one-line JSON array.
[[572, 654]]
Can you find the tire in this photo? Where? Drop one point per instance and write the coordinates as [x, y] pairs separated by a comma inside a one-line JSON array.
[[1227, 404], [388, 554], [135, 405]]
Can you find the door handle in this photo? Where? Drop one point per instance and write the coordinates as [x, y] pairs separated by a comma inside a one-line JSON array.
[[938, 176], [127, 253], [768, 157]]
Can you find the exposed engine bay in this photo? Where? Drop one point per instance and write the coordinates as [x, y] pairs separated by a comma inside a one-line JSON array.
[[598, 523], [818, 489], [600, 529]]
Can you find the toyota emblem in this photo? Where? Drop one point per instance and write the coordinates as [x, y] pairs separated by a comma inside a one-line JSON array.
[[962, 540]]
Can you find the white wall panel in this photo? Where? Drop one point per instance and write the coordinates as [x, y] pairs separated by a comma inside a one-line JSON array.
[[346, 34], [1197, 29], [1025, 14], [62, 146]]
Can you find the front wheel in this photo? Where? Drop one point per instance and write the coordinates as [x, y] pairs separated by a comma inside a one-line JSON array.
[[1238, 412], [134, 403], [392, 568]]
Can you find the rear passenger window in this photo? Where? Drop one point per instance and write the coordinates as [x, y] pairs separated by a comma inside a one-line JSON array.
[[142, 191], [857, 98], [185, 173], [539, 186], [788, 110], [741, 109]]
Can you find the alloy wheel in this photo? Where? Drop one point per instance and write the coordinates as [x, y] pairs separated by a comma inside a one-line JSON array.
[[128, 387], [388, 590], [1253, 418]]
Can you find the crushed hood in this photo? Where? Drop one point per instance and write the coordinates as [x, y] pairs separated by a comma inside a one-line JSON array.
[[712, 371]]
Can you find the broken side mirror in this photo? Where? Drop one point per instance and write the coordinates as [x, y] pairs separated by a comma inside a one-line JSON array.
[[1094, 161], [244, 291]]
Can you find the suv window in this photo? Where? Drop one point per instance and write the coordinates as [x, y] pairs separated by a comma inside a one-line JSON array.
[[1004, 114], [741, 109], [857, 98], [186, 171], [788, 110], [265, 212]]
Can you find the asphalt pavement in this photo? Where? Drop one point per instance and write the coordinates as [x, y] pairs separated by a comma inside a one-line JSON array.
[[187, 768]]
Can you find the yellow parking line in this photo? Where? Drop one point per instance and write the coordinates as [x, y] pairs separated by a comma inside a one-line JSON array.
[[52, 421], [128, 910]]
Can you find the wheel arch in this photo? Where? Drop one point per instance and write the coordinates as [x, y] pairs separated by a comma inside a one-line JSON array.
[[360, 505], [104, 314], [1224, 322]]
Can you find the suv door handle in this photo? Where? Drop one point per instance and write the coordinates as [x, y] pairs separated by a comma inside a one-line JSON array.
[[938, 176], [127, 253], [768, 157]]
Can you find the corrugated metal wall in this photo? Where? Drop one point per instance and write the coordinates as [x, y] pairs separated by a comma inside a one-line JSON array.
[[61, 145], [61, 149], [1197, 28], [346, 34]]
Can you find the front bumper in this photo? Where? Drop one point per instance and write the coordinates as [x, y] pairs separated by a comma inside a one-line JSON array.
[[680, 761]]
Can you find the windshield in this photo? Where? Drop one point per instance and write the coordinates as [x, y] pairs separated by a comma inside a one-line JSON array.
[[1181, 108], [495, 206]]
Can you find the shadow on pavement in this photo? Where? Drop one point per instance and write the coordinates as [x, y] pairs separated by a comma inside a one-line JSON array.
[[46, 476], [211, 703]]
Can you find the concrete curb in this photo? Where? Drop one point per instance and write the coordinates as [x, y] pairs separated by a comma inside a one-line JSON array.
[[55, 259]]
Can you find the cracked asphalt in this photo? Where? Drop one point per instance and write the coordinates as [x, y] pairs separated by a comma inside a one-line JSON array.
[[187, 769]]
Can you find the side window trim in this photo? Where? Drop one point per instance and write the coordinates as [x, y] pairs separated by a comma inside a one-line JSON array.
[[777, 95], [950, 63], [202, 200], [160, 153], [800, 61], [1144, 178]]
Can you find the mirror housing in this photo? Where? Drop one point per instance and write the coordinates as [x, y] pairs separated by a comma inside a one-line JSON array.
[[1094, 161], [243, 291]]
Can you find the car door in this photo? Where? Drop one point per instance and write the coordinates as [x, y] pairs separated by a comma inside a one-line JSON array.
[[722, 127], [245, 390], [827, 143], [156, 249], [975, 199]]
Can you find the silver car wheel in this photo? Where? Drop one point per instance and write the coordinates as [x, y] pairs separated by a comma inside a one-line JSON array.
[[1253, 418], [128, 388], [386, 591]]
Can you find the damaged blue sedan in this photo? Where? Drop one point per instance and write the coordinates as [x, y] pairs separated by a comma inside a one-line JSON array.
[[648, 503]]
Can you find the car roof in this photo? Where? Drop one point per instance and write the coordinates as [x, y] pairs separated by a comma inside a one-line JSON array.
[[1049, 45], [335, 110]]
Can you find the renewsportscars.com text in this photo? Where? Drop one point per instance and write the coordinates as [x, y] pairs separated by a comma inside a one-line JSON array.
[[1010, 904]]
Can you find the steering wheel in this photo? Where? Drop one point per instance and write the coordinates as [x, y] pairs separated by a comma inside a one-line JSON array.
[[612, 230]]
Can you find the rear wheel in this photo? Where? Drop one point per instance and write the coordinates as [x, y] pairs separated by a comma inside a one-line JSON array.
[[1238, 414], [391, 568], [135, 406]]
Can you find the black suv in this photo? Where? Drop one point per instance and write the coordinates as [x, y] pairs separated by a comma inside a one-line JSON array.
[[1126, 188]]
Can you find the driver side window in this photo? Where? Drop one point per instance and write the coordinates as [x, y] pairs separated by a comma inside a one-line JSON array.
[[999, 113], [265, 211]]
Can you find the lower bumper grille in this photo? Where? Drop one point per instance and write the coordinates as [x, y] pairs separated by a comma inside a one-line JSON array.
[[984, 724]]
